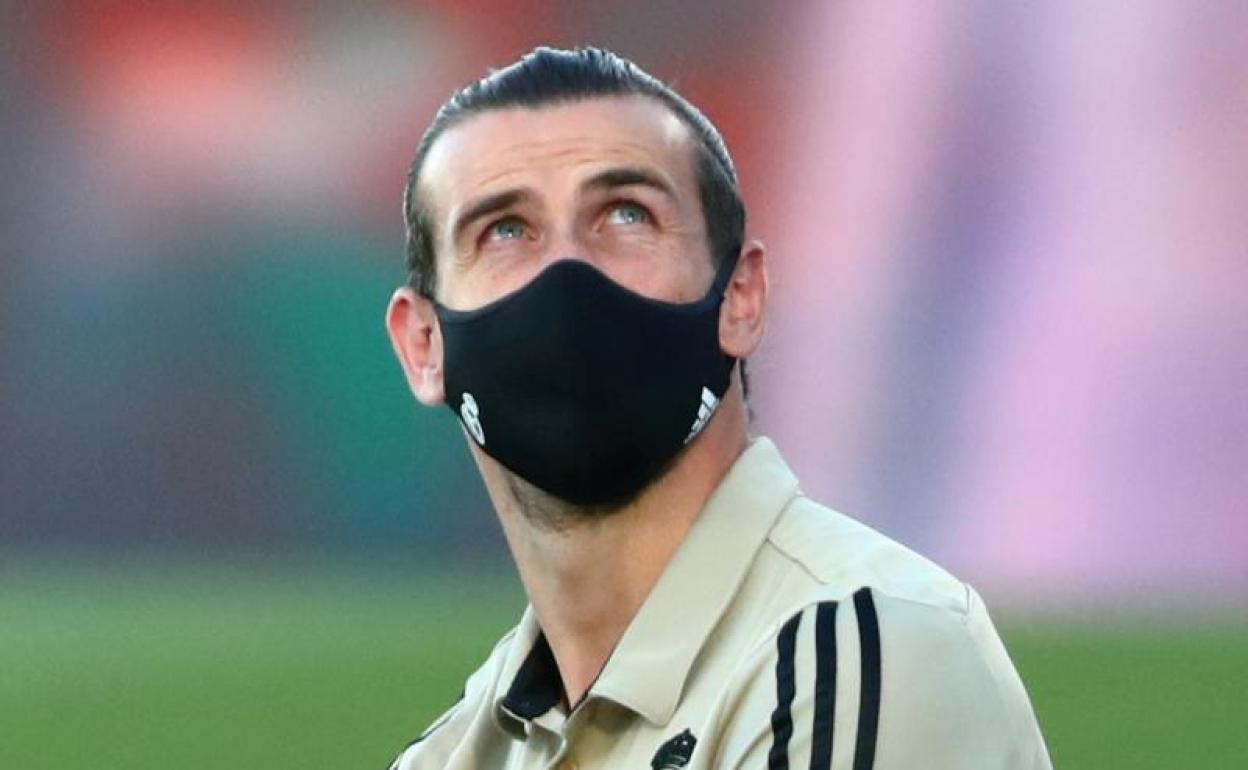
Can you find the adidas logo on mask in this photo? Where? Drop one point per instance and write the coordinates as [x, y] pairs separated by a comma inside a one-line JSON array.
[[705, 410]]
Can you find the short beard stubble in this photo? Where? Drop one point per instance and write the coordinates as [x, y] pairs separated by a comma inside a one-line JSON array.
[[549, 513]]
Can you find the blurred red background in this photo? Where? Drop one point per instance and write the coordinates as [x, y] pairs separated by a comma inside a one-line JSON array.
[[1007, 244]]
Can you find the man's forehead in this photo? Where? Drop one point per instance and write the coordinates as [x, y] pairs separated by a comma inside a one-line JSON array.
[[500, 142]]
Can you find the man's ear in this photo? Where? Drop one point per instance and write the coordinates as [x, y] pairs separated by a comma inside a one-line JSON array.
[[743, 315], [417, 339]]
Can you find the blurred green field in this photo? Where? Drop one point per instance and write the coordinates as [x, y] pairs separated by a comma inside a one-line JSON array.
[[158, 666]]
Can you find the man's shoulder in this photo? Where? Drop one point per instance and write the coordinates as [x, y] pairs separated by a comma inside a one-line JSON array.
[[921, 677], [446, 733], [831, 556]]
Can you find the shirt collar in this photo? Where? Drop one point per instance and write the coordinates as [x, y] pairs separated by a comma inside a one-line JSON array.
[[646, 673], [530, 677]]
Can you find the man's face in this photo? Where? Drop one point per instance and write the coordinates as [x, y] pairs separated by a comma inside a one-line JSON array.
[[607, 180]]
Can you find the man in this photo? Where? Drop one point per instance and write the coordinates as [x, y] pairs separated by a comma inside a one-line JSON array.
[[582, 297]]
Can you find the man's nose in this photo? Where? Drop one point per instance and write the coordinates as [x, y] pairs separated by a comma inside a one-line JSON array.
[[569, 245]]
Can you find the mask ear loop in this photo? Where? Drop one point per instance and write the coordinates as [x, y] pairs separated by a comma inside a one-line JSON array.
[[724, 275], [718, 290]]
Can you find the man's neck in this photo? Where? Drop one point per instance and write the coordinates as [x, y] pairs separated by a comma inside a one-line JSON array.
[[587, 580]]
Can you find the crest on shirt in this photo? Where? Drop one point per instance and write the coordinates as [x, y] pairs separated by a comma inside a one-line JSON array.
[[675, 753]]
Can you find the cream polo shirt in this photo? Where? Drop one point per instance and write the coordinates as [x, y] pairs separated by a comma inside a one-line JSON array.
[[782, 634]]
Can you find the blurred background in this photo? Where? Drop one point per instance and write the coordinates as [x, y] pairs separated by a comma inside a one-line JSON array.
[[1009, 254]]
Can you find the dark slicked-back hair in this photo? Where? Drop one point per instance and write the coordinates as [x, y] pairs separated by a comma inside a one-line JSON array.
[[549, 76]]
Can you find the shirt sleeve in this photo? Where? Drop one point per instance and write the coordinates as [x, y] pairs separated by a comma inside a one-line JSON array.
[[449, 740], [879, 683], [433, 746]]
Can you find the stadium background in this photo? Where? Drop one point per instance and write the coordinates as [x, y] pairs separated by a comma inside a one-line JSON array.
[[1009, 258]]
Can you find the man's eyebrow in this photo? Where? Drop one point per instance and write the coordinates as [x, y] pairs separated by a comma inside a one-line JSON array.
[[485, 206], [629, 175]]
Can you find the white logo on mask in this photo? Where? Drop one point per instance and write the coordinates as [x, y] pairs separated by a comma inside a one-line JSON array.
[[705, 410], [471, 414]]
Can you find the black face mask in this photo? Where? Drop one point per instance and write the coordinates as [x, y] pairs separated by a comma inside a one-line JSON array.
[[581, 387]]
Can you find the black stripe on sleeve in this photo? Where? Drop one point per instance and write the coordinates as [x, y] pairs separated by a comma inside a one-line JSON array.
[[825, 687], [786, 689], [869, 697]]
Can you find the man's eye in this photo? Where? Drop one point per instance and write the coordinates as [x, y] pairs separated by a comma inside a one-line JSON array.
[[628, 214], [506, 229]]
